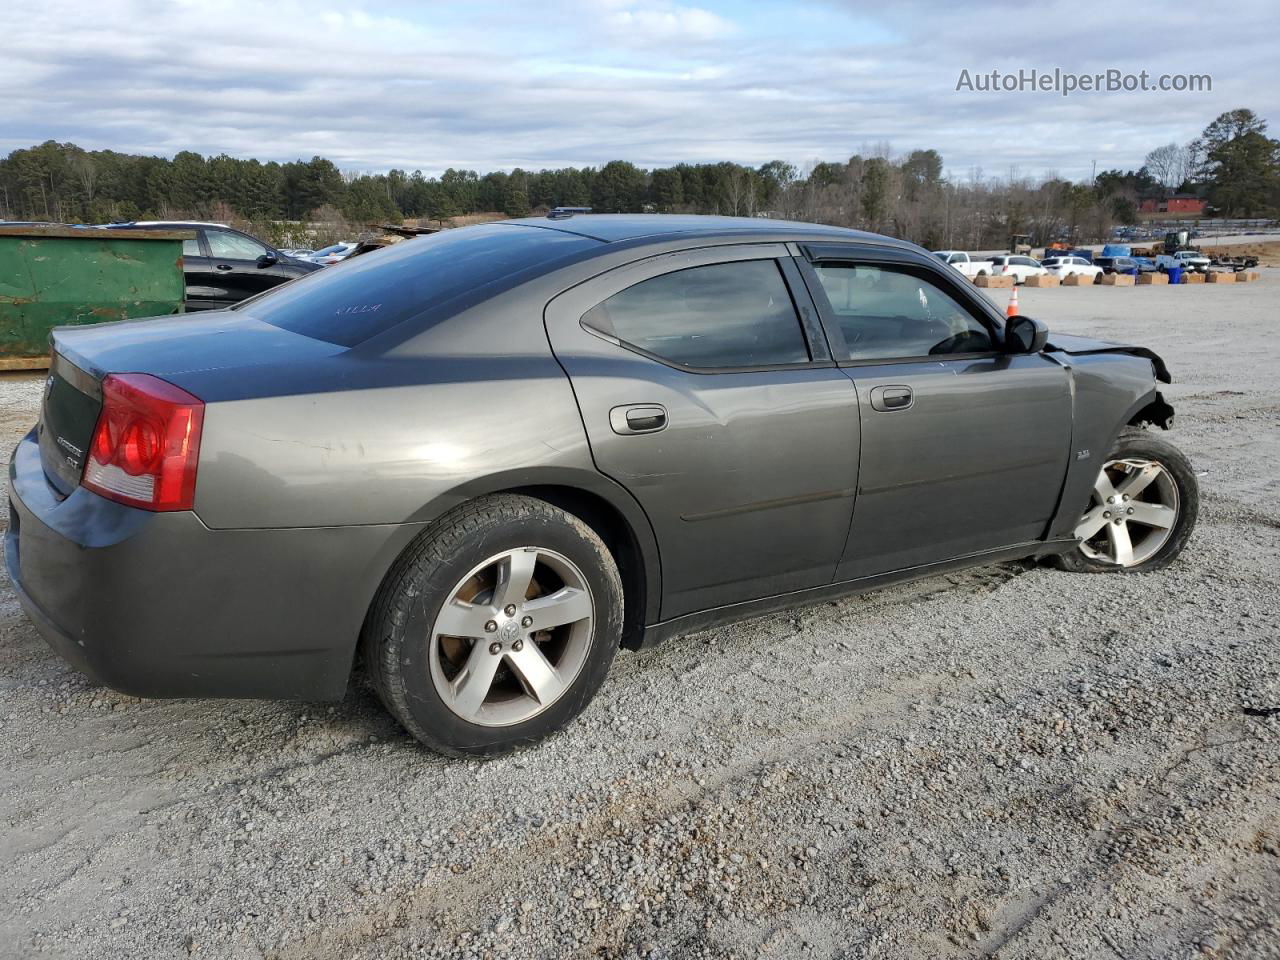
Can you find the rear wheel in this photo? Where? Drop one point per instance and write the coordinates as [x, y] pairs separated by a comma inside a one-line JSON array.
[[496, 628], [1142, 510]]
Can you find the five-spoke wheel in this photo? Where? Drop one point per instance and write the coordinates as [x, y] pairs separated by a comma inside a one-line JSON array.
[[1142, 509], [1135, 507], [496, 627], [512, 636]]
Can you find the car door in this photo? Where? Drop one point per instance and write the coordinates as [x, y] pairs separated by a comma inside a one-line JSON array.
[[707, 390], [197, 272], [964, 447], [237, 270]]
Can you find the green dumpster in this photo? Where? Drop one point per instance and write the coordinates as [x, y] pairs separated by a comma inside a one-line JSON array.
[[56, 275]]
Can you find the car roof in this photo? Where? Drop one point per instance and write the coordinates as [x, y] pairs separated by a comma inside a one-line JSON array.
[[171, 223], [611, 228]]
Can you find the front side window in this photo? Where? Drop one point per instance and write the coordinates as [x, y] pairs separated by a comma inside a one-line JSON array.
[[885, 312], [719, 316], [233, 246]]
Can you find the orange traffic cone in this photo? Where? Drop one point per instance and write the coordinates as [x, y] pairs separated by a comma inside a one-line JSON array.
[[1012, 310]]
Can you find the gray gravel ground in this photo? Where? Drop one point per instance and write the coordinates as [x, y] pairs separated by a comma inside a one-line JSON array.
[[1012, 761]]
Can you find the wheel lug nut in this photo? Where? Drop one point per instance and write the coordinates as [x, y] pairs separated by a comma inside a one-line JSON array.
[[1130, 510], [495, 648], [1119, 521], [491, 626], [526, 621], [510, 611], [1106, 514], [1126, 498], [518, 646]]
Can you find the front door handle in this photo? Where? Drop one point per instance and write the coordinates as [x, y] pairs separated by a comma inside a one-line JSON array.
[[891, 397], [633, 418], [225, 266]]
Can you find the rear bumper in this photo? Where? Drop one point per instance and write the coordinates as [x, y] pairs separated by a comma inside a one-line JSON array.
[[159, 605]]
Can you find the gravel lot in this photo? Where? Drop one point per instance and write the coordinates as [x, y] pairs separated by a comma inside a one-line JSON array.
[[1012, 761]]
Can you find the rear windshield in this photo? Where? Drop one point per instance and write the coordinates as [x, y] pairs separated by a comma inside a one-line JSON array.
[[367, 295]]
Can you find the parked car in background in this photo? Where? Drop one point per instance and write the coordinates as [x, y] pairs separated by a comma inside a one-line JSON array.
[[1186, 259], [491, 456], [334, 253], [1071, 266], [1125, 265], [1145, 264], [223, 266], [964, 263], [298, 253], [1016, 266]]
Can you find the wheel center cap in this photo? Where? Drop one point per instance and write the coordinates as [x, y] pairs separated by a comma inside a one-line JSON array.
[[509, 632]]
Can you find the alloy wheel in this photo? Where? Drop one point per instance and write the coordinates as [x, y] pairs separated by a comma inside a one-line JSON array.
[[1132, 515], [512, 637]]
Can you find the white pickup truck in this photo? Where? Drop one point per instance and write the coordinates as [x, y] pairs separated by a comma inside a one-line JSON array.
[[1186, 259], [962, 262]]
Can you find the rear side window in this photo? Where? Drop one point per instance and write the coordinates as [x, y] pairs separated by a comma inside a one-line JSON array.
[[719, 316], [367, 295]]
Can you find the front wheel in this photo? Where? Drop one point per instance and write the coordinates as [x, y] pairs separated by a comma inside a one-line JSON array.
[[496, 628], [1142, 510]]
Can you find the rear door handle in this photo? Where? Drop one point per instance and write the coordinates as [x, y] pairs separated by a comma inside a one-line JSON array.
[[635, 418], [889, 398], [225, 266]]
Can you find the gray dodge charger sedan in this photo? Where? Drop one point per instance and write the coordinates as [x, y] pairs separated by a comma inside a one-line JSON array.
[[486, 459]]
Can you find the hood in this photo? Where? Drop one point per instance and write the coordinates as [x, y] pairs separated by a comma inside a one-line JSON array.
[[1081, 346]]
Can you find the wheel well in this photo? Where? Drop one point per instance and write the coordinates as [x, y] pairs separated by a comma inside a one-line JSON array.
[[1157, 412], [613, 528]]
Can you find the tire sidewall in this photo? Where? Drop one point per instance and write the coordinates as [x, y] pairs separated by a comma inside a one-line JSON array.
[[432, 583]]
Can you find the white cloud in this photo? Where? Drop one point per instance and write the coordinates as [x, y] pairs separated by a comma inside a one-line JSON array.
[[644, 25], [484, 85]]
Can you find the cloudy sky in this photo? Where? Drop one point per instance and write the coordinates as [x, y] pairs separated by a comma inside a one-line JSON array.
[[488, 85]]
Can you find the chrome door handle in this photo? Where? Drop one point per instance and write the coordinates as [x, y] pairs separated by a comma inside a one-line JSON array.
[[634, 418]]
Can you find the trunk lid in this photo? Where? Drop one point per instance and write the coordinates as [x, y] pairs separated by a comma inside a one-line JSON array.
[[68, 414]]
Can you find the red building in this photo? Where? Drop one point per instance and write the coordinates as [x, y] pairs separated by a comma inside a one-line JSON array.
[[1179, 203]]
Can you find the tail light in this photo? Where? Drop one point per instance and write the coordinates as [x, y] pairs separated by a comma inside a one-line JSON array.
[[146, 444]]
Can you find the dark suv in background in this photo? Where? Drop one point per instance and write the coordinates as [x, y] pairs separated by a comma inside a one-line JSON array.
[[224, 266]]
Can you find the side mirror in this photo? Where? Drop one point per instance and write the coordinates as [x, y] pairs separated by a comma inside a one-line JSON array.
[[1025, 335], [267, 260]]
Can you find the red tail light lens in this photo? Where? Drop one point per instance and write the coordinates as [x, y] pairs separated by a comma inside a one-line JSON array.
[[146, 444]]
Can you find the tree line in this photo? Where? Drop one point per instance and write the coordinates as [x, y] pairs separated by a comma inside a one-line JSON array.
[[1233, 164]]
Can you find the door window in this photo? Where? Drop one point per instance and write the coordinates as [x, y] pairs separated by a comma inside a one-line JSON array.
[[191, 248], [885, 312], [225, 245], [723, 315]]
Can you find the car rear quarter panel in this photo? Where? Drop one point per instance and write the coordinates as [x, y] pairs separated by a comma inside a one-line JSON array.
[[386, 443]]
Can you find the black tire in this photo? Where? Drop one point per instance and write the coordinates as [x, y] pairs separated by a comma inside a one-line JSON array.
[[397, 633], [1141, 444]]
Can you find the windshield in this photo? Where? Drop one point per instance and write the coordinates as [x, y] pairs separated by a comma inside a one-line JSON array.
[[373, 293]]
